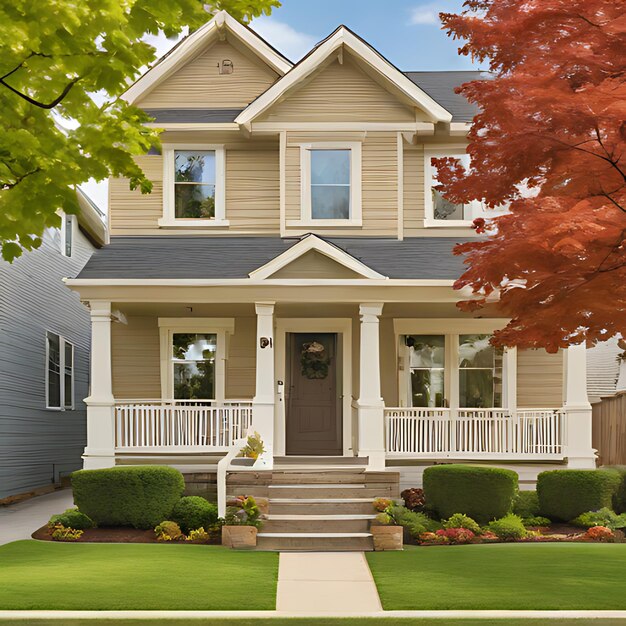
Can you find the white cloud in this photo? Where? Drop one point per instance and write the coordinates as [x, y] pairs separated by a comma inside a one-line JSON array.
[[427, 13], [292, 43]]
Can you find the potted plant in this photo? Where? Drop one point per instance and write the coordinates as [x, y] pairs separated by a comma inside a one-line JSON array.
[[386, 532], [250, 452], [241, 524]]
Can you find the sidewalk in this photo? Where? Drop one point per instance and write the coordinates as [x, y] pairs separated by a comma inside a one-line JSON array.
[[19, 521]]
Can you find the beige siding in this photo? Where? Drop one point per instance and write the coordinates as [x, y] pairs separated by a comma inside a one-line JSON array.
[[340, 93], [379, 179], [240, 366], [136, 358], [539, 379], [315, 265], [199, 83], [413, 191], [388, 363]]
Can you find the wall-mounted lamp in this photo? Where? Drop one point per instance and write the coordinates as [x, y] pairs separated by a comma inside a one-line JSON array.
[[264, 342]]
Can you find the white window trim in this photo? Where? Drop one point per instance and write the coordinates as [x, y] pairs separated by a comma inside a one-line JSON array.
[[64, 219], [62, 343], [223, 328], [169, 219], [306, 219], [444, 150]]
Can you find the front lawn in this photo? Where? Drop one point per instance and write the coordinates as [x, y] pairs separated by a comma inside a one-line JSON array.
[[374, 621], [42, 575], [542, 576]]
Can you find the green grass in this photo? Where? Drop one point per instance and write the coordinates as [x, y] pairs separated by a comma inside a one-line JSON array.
[[385, 621], [546, 576], [90, 576]]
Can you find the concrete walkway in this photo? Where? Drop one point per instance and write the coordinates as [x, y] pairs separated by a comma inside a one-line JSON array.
[[19, 521], [332, 583]]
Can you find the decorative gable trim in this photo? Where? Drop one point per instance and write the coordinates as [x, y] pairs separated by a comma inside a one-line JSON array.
[[334, 46], [307, 244], [193, 44]]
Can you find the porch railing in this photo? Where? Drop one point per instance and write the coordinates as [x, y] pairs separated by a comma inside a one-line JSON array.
[[180, 425], [474, 433]]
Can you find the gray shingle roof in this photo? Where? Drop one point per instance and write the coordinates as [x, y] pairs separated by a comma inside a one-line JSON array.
[[440, 87], [172, 257], [178, 116]]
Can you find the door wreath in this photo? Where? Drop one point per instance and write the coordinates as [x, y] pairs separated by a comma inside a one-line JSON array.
[[314, 361]]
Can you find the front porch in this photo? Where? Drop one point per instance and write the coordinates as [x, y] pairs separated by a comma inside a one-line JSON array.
[[376, 395]]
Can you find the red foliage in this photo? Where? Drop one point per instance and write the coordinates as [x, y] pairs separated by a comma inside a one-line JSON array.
[[552, 121], [599, 533], [413, 498], [457, 535]]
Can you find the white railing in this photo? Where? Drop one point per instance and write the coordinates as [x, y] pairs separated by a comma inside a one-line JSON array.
[[474, 433], [180, 425]]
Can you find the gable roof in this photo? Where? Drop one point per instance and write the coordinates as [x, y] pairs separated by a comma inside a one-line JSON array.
[[193, 44], [91, 220], [341, 38]]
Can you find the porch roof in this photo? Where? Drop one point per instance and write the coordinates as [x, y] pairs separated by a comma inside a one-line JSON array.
[[184, 257]]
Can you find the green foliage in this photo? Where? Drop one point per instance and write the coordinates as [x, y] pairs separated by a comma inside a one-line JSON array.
[[243, 511], [139, 496], [384, 519], [536, 520], [72, 518], [458, 520], [508, 528], [168, 531], [254, 447], [604, 517], [198, 534], [53, 55], [62, 533], [619, 500], [193, 512], [565, 494], [382, 504], [526, 504], [415, 522], [483, 493]]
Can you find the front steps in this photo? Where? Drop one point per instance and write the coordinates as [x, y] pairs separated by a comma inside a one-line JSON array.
[[315, 507]]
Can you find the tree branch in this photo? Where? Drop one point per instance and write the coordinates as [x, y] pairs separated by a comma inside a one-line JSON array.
[[41, 105]]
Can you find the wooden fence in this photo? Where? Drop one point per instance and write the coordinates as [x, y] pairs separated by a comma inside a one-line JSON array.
[[609, 430]]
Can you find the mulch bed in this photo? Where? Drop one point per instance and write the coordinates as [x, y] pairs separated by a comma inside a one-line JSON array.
[[118, 535]]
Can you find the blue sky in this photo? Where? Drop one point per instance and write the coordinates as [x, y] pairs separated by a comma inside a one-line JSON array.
[[407, 32]]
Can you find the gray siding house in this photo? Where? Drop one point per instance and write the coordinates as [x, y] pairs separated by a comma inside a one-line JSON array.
[[44, 356]]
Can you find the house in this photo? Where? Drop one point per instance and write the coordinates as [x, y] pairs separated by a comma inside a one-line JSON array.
[[44, 356], [292, 270]]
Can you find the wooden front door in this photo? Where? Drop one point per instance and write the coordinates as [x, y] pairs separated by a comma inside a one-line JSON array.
[[313, 413]]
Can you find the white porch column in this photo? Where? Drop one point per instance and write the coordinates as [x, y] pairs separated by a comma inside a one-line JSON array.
[[100, 449], [580, 454], [264, 399], [370, 405]]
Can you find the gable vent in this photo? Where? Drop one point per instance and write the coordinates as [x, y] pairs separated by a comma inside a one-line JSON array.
[[226, 66]]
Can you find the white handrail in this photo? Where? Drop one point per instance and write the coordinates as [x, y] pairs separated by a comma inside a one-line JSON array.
[[222, 470]]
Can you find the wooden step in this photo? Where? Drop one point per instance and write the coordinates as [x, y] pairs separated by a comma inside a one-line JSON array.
[[331, 492], [322, 506], [327, 542], [341, 476], [321, 460], [317, 524]]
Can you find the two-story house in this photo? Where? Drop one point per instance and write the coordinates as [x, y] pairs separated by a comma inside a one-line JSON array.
[[293, 269]]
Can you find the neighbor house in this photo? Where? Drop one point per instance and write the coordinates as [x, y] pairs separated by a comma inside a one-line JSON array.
[[292, 270], [44, 356]]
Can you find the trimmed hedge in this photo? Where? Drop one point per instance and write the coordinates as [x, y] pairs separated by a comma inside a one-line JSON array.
[[72, 518], [140, 497], [483, 493], [526, 504], [619, 500], [193, 512], [565, 494]]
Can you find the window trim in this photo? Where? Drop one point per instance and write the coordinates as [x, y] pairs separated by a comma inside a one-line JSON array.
[[223, 328], [62, 343], [67, 220], [169, 219], [306, 218], [436, 150]]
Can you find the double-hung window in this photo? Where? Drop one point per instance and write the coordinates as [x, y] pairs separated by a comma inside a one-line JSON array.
[[330, 184], [427, 361], [480, 373], [59, 372], [193, 186]]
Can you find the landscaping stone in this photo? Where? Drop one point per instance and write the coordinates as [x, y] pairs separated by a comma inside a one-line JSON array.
[[239, 537], [387, 537]]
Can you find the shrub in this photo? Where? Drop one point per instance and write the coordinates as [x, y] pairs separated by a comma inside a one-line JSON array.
[[537, 520], [619, 499], [508, 528], [138, 496], [526, 504], [565, 494], [599, 533], [457, 535], [384, 519], [458, 520], [415, 523], [483, 493], [168, 531], [413, 499], [199, 534], [62, 533], [194, 512], [433, 538], [382, 504], [243, 512], [603, 517], [72, 518]]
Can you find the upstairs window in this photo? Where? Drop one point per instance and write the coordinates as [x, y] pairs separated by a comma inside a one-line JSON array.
[[59, 372], [194, 186]]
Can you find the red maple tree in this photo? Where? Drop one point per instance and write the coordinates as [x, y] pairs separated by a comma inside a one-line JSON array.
[[551, 140]]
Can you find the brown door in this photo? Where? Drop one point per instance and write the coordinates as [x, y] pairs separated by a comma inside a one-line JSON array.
[[313, 404]]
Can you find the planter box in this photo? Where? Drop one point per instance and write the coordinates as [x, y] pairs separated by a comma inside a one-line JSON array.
[[239, 537], [243, 461], [387, 537]]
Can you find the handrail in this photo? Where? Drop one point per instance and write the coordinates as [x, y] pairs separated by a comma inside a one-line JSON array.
[[222, 469]]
